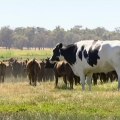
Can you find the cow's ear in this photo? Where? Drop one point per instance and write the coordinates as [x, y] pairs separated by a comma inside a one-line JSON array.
[[60, 45]]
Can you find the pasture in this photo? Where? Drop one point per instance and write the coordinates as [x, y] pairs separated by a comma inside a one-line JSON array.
[[39, 54], [20, 101]]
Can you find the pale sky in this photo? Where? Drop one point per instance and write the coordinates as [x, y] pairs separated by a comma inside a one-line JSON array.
[[65, 13]]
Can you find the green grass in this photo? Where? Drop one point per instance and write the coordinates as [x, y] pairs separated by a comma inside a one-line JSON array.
[[21, 101], [39, 54]]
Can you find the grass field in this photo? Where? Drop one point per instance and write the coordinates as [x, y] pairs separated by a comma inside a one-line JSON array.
[[20, 101], [39, 54]]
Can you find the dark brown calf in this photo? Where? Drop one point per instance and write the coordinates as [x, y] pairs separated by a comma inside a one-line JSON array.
[[8, 72], [33, 69], [41, 76], [95, 77], [104, 77], [2, 71], [112, 76], [45, 73], [61, 69], [16, 68]]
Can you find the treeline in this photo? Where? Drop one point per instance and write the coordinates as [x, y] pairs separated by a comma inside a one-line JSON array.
[[36, 37]]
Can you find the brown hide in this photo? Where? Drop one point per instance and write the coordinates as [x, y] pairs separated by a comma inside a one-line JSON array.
[[2, 71], [41, 76], [61, 69], [16, 68], [33, 69], [45, 74]]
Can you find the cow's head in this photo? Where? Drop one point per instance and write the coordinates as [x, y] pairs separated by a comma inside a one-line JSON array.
[[56, 52], [49, 63]]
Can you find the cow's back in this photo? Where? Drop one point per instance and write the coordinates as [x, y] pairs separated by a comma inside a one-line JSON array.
[[107, 55], [33, 66]]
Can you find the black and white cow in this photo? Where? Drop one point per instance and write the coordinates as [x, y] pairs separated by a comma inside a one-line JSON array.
[[90, 56]]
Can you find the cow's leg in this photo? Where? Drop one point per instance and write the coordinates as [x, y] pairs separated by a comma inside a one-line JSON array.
[[77, 80], [89, 81], [118, 74], [65, 80], [95, 81], [34, 80], [44, 78], [56, 80], [82, 78], [29, 76], [117, 68], [70, 79], [3, 78], [71, 82], [94, 77], [118, 80], [0, 79]]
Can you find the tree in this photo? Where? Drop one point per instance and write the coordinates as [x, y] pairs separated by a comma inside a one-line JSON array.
[[58, 34], [6, 35]]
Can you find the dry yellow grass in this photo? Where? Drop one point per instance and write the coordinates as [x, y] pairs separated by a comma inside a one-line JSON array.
[[15, 91]]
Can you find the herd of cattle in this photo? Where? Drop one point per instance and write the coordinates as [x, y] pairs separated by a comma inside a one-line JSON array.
[[47, 70], [20, 69]]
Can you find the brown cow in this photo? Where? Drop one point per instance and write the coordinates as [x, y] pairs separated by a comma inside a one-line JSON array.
[[2, 71], [16, 68], [45, 74], [112, 76], [61, 69], [41, 74], [24, 69], [8, 72], [104, 77], [33, 68], [95, 77]]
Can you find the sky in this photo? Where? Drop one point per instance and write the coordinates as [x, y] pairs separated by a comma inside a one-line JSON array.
[[64, 13]]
